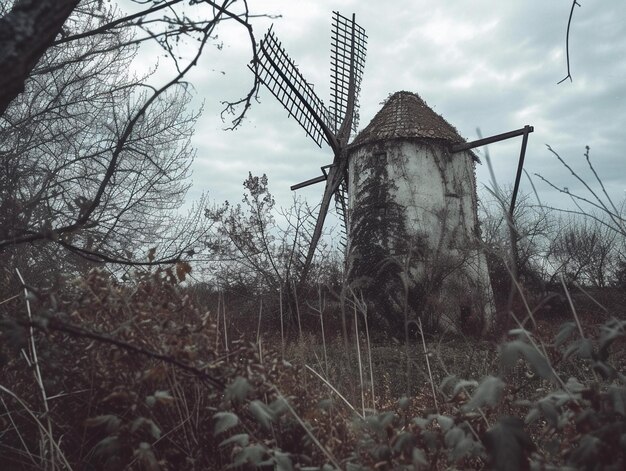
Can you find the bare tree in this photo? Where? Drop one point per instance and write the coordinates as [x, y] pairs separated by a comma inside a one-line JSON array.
[[585, 252], [601, 224], [57, 142], [28, 28], [93, 158], [534, 228]]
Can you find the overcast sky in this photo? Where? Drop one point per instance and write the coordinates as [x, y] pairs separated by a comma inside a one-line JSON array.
[[486, 63]]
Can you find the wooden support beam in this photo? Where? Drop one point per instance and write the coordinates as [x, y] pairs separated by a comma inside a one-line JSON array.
[[520, 167], [312, 181], [315, 180], [489, 140]]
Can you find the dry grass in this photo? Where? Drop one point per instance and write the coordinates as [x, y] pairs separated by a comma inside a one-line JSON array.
[[157, 405]]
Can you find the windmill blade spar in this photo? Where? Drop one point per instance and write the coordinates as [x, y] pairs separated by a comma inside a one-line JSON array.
[[279, 73], [347, 60], [336, 174]]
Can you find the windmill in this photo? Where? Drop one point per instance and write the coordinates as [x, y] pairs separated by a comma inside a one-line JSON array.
[[414, 239], [331, 125]]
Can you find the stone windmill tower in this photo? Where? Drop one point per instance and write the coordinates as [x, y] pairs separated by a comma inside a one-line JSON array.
[[413, 234]]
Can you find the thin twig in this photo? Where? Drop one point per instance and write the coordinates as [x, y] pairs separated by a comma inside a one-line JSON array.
[[569, 23], [333, 389], [369, 351], [586, 293], [328, 454], [9, 299], [225, 325], [615, 220], [542, 352], [598, 179], [258, 327], [430, 373], [599, 205], [297, 305], [282, 325], [358, 353], [34, 361], [321, 312], [571, 305], [17, 431], [41, 426]]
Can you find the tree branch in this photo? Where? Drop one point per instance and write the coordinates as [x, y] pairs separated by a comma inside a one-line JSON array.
[[569, 23], [56, 325], [83, 219], [120, 21], [26, 32]]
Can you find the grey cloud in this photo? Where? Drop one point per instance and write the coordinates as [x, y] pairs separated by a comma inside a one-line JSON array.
[[498, 77]]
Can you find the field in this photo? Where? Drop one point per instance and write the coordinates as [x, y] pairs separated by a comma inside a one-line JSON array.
[[156, 382]]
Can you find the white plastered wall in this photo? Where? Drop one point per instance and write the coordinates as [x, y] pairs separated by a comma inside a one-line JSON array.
[[438, 191]]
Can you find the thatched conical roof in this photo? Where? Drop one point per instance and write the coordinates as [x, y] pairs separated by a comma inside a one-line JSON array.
[[406, 115]]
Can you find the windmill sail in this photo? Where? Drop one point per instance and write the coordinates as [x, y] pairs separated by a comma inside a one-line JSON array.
[[347, 59], [281, 76], [279, 73]]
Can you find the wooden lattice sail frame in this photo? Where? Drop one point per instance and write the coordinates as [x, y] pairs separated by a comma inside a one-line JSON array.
[[332, 125]]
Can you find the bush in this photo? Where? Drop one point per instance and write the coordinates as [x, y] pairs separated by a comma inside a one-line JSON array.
[[135, 376]]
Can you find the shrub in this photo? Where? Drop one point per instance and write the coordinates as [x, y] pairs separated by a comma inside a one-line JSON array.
[[105, 375]]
